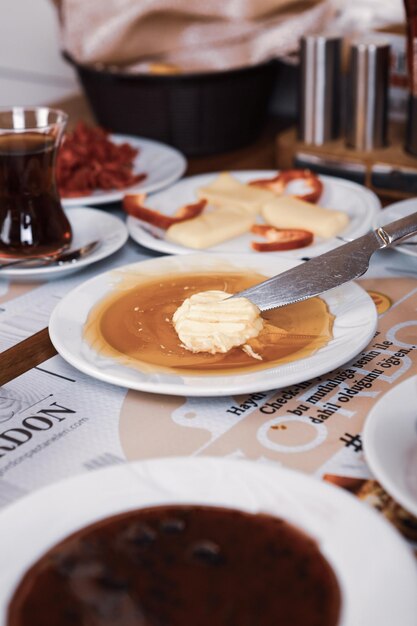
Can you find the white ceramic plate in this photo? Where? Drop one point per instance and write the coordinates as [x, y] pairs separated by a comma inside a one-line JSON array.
[[355, 323], [390, 443], [359, 203], [394, 212], [375, 568], [162, 164], [87, 225]]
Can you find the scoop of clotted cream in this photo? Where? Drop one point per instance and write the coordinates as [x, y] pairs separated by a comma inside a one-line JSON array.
[[211, 321]]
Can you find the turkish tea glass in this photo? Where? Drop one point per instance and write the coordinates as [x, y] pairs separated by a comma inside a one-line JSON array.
[[32, 220]]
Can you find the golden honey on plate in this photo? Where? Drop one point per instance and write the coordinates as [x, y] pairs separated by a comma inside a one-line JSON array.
[[133, 324]]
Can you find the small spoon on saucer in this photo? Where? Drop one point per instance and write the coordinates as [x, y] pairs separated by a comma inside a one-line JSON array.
[[67, 256]]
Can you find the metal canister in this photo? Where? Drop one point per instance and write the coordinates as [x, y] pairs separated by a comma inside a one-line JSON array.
[[320, 89], [367, 96]]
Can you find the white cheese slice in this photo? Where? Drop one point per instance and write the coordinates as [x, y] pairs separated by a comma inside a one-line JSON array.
[[290, 212], [226, 190], [211, 228]]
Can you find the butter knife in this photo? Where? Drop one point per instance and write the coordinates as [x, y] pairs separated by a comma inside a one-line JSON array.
[[328, 270]]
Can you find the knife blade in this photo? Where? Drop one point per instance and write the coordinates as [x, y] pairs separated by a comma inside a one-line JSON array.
[[329, 270]]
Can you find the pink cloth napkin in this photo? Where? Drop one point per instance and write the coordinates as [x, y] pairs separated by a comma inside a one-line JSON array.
[[190, 34]]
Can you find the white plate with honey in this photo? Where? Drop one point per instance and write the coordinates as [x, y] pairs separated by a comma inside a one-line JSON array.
[[118, 327], [345, 210]]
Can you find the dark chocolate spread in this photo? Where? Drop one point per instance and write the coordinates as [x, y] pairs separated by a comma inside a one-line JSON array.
[[180, 565]]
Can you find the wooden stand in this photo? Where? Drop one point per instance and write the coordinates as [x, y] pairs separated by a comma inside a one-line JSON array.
[[390, 172]]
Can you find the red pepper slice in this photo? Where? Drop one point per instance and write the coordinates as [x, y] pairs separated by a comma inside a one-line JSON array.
[[280, 238], [133, 205], [278, 183]]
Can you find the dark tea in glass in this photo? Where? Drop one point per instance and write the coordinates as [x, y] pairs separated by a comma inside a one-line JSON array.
[[32, 221]]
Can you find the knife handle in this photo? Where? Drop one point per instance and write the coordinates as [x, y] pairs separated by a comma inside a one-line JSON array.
[[404, 227]]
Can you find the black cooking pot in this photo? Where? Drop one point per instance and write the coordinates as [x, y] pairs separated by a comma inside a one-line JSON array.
[[199, 113]]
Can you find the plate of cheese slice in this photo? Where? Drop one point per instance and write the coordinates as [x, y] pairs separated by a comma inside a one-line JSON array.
[[236, 211]]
